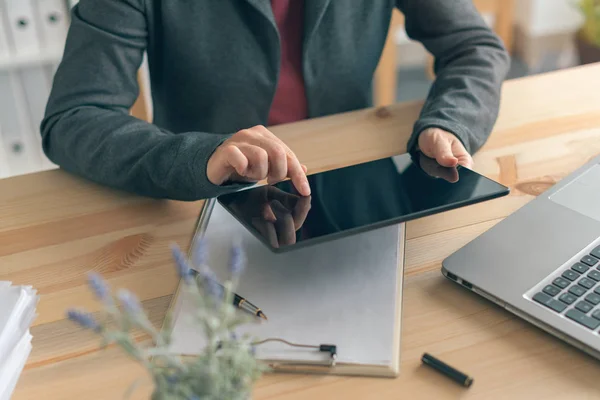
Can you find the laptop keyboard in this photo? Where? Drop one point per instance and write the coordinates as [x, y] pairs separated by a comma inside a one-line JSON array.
[[576, 292]]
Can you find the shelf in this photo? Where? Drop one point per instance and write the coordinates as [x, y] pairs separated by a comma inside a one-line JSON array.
[[24, 60]]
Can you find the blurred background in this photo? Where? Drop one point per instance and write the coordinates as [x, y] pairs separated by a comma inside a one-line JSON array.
[[541, 35]]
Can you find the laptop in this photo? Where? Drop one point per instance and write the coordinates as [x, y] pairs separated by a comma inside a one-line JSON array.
[[542, 262]]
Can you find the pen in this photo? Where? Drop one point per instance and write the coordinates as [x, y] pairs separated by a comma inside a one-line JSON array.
[[447, 370], [243, 304]]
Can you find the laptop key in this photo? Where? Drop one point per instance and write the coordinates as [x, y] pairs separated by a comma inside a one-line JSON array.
[[583, 319], [584, 307], [577, 290], [562, 282], [593, 298], [549, 302], [596, 314], [570, 275], [567, 298], [586, 283], [595, 275], [596, 252], [597, 290], [581, 268], [551, 290], [589, 260]]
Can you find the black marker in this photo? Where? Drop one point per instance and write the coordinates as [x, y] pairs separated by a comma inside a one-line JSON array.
[[447, 370]]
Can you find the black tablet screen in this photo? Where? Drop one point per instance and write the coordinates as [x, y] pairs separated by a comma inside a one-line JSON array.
[[356, 199]]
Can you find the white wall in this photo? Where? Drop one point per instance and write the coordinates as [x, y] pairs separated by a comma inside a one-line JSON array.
[[536, 20], [546, 30], [547, 17]]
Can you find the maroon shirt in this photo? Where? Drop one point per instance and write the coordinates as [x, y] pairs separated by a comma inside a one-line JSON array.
[[289, 104]]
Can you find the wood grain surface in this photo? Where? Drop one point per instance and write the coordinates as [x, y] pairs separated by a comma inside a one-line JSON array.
[[55, 227]]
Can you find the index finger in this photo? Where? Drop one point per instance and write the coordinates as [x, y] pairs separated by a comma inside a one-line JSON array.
[[298, 176], [295, 171]]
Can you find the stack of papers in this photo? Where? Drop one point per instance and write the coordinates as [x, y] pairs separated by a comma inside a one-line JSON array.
[[17, 311]]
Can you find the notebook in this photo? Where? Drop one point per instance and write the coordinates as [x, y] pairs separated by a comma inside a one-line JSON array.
[[17, 311], [346, 292]]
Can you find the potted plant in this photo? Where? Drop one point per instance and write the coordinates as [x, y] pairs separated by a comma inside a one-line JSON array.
[[587, 38], [226, 369]]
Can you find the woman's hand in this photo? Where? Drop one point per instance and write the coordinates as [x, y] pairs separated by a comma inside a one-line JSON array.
[[255, 154], [445, 148]]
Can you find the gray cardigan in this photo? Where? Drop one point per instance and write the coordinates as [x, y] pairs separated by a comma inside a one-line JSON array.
[[214, 67]]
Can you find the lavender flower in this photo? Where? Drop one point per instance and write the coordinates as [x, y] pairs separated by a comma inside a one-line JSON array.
[[84, 319], [200, 254], [129, 302], [210, 283], [99, 286], [236, 260], [183, 269], [235, 369]]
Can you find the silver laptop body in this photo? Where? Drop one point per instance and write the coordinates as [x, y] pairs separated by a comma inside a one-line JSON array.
[[542, 262]]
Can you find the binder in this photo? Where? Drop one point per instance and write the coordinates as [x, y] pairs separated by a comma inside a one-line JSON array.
[[17, 312], [4, 171], [19, 142], [4, 47], [36, 87], [346, 293], [22, 27], [53, 18]]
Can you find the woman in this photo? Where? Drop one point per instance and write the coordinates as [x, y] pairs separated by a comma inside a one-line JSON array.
[[221, 69]]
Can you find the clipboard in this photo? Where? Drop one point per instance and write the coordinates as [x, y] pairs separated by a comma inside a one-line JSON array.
[[356, 281]]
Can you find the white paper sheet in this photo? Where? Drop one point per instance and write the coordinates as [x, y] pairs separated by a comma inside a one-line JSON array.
[[342, 292], [17, 310], [12, 367]]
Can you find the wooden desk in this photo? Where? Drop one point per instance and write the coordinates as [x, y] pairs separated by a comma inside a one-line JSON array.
[[54, 228]]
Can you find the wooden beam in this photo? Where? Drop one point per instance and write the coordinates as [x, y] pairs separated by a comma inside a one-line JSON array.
[[140, 108], [386, 74]]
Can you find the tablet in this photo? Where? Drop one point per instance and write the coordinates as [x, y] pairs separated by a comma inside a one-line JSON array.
[[356, 199]]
